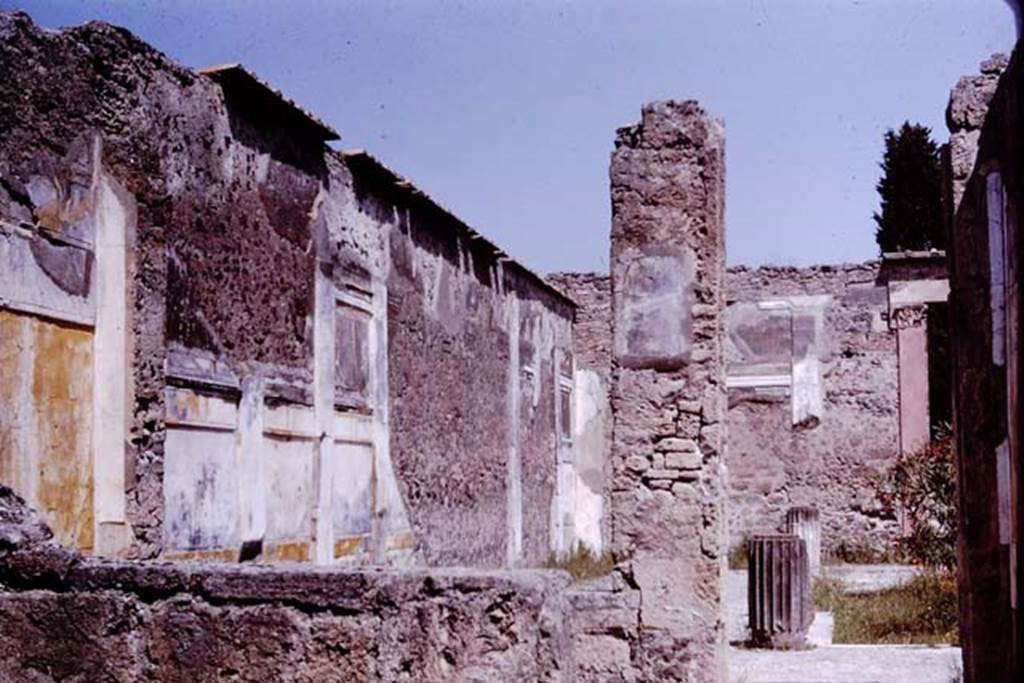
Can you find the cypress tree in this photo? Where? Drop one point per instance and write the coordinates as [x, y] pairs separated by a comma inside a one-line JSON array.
[[911, 192]]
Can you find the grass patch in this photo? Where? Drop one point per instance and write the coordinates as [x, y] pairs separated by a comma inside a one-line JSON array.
[[826, 594], [583, 564], [922, 612]]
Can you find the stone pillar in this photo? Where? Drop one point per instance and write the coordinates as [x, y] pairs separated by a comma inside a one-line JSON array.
[[668, 387], [805, 523], [778, 591], [911, 324]]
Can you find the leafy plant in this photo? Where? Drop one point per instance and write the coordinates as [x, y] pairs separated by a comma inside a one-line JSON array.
[[860, 552], [922, 486]]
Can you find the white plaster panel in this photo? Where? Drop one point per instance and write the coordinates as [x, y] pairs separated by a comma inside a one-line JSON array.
[[994, 204], [289, 480], [351, 473], [653, 324], [591, 427], [186, 407], [200, 490], [563, 505], [914, 292], [290, 420], [115, 220]]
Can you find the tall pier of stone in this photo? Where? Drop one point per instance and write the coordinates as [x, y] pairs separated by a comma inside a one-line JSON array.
[[668, 394]]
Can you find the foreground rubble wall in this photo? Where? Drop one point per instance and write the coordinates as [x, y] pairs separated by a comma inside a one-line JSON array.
[[66, 617]]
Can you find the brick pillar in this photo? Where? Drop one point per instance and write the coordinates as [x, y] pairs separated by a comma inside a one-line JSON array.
[[668, 393]]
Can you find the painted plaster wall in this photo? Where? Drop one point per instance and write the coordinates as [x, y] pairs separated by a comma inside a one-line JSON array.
[[592, 426], [46, 421], [776, 461], [215, 215], [263, 278], [471, 367]]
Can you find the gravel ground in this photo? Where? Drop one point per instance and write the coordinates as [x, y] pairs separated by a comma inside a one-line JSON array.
[[827, 663]]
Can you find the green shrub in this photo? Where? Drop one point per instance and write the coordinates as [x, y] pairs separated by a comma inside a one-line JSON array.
[[582, 564], [923, 611], [922, 485], [848, 552]]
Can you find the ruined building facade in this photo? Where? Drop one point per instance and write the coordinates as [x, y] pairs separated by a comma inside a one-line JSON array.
[[832, 372], [223, 339]]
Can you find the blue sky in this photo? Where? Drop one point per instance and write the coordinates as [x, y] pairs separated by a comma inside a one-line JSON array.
[[505, 111]]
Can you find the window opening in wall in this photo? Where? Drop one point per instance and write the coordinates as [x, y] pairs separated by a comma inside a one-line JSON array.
[[565, 406], [353, 372]]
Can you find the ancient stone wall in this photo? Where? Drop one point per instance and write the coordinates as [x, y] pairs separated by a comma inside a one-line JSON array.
[[65, 617], [986, 186], [829, 461], [668, 388], [476, 346], [301, 357], [592, 426]]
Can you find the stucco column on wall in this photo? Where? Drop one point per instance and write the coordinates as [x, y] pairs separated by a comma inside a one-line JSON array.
[[912, 345], [668, 393]]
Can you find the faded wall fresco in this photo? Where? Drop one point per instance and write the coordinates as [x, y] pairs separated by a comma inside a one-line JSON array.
[[46, 421]]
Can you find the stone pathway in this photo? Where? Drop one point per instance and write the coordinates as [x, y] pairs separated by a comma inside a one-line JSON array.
[[827, 663], [847, 664]]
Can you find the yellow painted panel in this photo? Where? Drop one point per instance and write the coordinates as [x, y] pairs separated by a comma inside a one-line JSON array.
[[46, 421], [220, 555], [343, 547], [287, 551]]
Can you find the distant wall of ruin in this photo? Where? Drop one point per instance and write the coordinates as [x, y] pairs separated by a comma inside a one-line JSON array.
[[822, 450], [820, 438]]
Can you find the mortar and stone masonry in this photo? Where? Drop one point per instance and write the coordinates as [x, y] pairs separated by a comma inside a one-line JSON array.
[[254, 348]]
